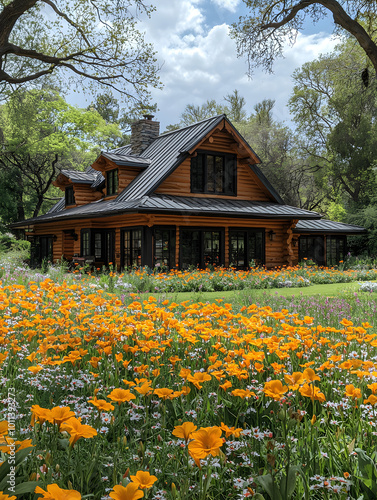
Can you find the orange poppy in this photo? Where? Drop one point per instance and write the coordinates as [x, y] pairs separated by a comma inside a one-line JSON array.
[[54, 492], [184, 431], [143, 479], [129, 492]]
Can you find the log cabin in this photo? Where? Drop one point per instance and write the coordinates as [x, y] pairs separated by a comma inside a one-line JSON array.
[[190, 197]]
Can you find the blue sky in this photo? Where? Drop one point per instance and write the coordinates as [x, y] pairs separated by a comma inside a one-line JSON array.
[[199, 62]]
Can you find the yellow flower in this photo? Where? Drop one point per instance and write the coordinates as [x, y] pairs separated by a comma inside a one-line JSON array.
[[206, 441], [60, 414], [54, 492], [3, 427], [4, 496], [274, 389], [163, 393], [352, 392], [76, 430], [129, 492], [143, 479], [101, 404], [121, 395], [184, 431]]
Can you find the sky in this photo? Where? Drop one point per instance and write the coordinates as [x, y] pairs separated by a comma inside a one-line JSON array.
[[198, 58]]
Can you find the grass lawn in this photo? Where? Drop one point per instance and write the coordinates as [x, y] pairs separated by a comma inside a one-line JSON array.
[[327, 290]]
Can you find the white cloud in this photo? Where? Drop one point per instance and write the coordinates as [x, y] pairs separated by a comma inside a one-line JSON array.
[[200, 62], [230, 5]]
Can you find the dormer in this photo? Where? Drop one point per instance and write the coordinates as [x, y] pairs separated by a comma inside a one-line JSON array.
[[119, 169], [79, 188]]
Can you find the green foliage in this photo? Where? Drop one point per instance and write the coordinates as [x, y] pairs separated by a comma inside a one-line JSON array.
[[96, 41], [42, 134]]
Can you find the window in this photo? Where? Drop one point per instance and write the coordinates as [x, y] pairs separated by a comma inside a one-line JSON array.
[[164, 248], [312, 248], [69, 196], [132, 240], [335, 249], [85, 242], [112, 182], [98, 243], [201, 248], [41, 248], [246, 247], [213, 173]]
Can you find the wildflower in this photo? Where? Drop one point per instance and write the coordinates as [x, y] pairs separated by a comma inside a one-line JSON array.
[[231, 430], [184, 431], [371, 400], [129, 492], [54, 492], [164, 393], [198, 378], [243, 393], [143, 479], [121, 395], [4, 496], [206, 441], [101, 404], [313, 392], [4, 428], [274, 389], [352, 392], [76, 430], [60, 414]]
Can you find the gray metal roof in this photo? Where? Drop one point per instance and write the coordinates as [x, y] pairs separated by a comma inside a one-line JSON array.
[[79, 177], [166, 152], [179, 205], [327, 226], [127, 160]]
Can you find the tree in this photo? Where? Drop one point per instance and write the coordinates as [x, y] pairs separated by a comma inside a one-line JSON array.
[[263, 35], [235, 109], [282, 163], [95, 40], [42, 134], [336, 116]]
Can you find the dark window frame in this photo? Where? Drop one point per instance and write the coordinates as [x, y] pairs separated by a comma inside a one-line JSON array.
[[69, 195], [246, 233], [340, 250], [312, 247], [202, 264], [112, 182], [200, 173], [127, 261], [99, 243], [171, 236]]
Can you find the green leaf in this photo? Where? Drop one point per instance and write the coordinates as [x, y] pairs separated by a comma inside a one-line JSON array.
[[288, 483], [268, 484]]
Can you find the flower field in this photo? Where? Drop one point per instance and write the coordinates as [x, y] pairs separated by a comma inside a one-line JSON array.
[[110, 397]]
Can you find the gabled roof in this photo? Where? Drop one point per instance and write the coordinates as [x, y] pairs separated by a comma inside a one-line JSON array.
[[169, 150], [127, 160], [327, 226], [77, 177]]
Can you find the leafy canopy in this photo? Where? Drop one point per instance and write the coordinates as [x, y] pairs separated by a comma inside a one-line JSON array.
[[93, 40], [272, 24]]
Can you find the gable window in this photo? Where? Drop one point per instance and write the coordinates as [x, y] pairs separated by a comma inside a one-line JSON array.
[[214, 173], [112, 182], [69, 196]]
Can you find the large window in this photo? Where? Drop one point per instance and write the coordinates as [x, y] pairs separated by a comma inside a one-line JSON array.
[[112, 182], [312, 248], [69, 196], [98, 243], [246, 248], [41, 248], [213, 173], [132, 247], [164, 248], [201, 248], [335, 249]]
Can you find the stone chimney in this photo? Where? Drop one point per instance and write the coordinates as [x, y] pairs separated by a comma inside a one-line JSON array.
[[143, 133]]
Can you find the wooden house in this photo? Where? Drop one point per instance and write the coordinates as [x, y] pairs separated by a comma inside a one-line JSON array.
[[191, 197]]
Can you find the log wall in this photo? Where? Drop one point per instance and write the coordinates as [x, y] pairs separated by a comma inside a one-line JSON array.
[[278, 252]]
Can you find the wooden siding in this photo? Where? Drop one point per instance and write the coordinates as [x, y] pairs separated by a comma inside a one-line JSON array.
[[248, 185], [85, 194], [278, 252]]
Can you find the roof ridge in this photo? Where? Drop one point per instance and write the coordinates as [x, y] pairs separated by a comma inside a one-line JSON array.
[[164, 134]]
